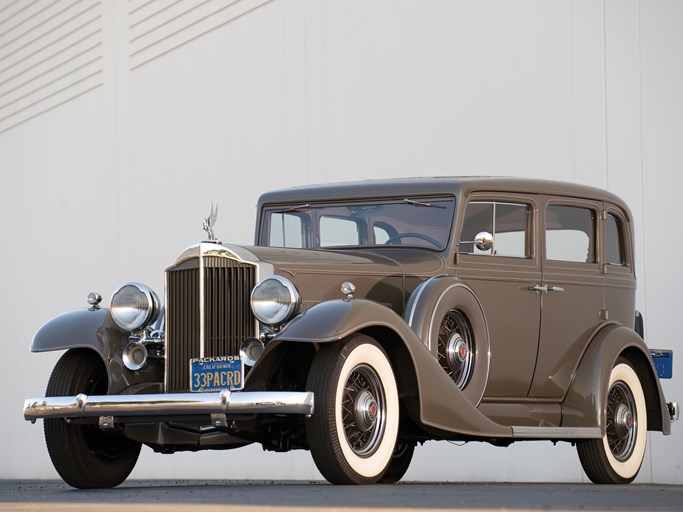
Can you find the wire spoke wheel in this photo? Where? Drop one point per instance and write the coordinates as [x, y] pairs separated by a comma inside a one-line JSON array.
[[617, 457], [456, 347], [364, 410], [353, 431], [622, 422]]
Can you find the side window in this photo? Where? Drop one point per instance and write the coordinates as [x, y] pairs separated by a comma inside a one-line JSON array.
[[614, 241], [508, 223], [286, 230], [570, 234], [337, 231]]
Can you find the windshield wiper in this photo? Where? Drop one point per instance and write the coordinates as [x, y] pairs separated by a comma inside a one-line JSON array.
[[419, 203], [299, 208]]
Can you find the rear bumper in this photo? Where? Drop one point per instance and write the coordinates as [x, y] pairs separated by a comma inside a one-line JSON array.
[[178, 404]]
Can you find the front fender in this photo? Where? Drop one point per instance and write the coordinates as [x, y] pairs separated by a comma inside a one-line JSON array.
[[94, 329], [584, 404], [442, 406]]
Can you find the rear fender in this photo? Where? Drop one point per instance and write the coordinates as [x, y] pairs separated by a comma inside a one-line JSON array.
[[442, 406], [584, 404], [94, 329]]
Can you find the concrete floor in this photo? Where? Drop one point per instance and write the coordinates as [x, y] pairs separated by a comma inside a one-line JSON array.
[[233, 496]]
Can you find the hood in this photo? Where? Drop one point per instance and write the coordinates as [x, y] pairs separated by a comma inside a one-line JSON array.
[[384, 275]]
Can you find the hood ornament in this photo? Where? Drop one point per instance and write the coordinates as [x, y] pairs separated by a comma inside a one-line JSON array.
[[209, 223]]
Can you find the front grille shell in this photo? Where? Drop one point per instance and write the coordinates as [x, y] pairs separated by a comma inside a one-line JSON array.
[[208, 310]]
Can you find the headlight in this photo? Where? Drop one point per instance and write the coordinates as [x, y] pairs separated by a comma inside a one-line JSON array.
[[274, 300], [134, 306]]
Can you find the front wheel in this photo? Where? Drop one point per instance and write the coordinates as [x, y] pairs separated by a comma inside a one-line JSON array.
[[83, 455], [617, 457], [353, 431]]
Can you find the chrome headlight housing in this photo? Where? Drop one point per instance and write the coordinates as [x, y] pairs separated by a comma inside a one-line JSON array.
[[275, 300], [134, 306]]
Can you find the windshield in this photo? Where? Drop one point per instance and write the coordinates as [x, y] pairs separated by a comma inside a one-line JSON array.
[[417, 222]]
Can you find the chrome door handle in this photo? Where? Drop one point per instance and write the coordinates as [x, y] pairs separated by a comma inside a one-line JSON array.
[[546, 288]]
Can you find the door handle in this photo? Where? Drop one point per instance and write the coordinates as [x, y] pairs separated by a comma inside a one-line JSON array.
[[538, 288], [546, 288]]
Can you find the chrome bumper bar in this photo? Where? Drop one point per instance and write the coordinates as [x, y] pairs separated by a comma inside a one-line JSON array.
[[224, 402]]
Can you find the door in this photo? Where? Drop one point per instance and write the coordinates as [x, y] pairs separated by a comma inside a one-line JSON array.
[[500, 276], [572, 293]]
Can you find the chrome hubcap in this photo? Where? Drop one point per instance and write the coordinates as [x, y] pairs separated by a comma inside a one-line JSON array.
[[622, 423], [456, 347], [365, 410]]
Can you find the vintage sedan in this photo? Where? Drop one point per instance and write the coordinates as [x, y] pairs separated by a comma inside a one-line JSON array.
[[366, 318]]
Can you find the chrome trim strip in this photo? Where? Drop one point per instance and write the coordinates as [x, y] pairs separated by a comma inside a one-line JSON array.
[[420, 288], [556, 432], [223, 402], [202, 309]]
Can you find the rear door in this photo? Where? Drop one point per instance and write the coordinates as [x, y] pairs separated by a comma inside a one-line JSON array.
[[572, 295]]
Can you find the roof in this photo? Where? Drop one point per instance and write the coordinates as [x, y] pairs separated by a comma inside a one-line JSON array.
[[445, 185]]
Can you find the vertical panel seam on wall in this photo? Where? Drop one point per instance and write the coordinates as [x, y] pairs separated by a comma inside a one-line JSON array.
[[572, 121], [603, 30], [306, 96], [640, 148], [641, 228]]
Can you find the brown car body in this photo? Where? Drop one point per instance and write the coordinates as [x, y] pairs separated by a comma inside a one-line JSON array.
[[507, 316]]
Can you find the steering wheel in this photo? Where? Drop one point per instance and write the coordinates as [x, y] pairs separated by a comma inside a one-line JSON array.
[[409, 234]]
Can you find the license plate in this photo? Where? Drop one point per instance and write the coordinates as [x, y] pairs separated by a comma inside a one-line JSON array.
[[216, 373]]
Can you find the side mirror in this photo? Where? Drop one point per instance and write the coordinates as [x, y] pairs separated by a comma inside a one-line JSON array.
[[483, 241]]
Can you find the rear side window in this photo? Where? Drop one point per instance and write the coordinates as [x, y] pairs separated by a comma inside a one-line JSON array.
[[508, 223], [570, 234], [614, 241]]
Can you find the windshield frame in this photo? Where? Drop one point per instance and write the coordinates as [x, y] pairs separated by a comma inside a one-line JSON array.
[[443, 208]]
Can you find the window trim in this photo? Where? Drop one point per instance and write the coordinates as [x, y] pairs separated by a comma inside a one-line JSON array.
[[507, 201], [596, 208]]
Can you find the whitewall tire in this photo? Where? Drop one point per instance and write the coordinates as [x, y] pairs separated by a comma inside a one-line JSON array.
[[618, 456], [353, 431]]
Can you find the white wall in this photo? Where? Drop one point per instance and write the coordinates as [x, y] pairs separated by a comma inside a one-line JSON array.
[[121, 121]]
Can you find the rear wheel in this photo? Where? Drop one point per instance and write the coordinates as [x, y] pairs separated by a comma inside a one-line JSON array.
[[83, 455], [617, 457], [353, 431]]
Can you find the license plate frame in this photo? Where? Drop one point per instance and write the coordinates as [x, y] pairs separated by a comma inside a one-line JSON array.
[[211, 374]]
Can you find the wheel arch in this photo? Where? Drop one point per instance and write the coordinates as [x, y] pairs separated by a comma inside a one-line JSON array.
[[583, 405], [94, 330], [269, 367]]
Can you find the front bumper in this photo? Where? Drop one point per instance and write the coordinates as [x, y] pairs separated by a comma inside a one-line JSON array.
[[178, 404]]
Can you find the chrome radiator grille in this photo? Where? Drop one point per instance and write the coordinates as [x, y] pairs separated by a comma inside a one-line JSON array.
[[207, 313]]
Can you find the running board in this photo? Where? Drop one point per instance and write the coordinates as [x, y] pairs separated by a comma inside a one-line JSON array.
[[556, 432]]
